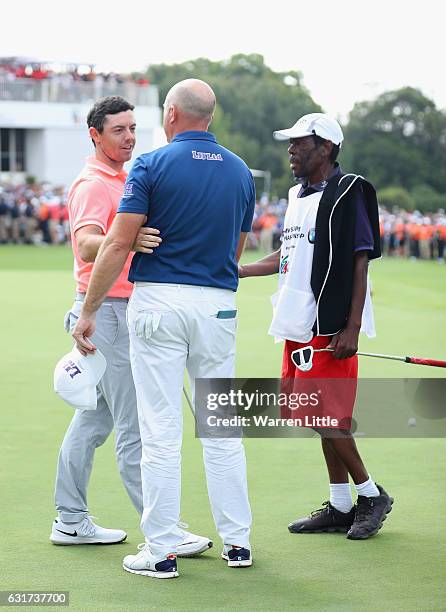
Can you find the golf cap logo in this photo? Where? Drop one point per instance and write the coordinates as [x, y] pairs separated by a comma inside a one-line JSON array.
[[72, 369], [79, 391]]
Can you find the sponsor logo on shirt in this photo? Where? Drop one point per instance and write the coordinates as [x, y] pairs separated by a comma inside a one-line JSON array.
[[128, 190], [284, 265], [312, 235], [207, 156], [292, 233]]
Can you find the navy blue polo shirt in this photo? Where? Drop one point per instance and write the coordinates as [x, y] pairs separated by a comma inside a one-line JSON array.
[[363, 229], [200, 196]]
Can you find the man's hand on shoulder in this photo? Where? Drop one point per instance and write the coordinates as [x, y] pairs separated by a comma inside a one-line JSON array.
[[345, 343], [147, 240]]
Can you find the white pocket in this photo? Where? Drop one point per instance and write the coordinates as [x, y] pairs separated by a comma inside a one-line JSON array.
[[294, 314], [274, 298]]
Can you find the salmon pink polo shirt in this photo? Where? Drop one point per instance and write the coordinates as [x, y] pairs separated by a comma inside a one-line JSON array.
[[93, 200]]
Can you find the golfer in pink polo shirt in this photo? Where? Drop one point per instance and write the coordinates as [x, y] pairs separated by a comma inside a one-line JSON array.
[[92, 203]]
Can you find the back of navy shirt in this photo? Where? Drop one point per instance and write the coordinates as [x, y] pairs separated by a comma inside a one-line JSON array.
[[200, 196]]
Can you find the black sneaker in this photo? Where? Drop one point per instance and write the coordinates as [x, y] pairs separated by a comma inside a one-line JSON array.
[[325, 519], [370, 514]]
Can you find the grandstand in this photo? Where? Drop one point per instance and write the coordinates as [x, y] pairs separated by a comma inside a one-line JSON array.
[[43, 108]]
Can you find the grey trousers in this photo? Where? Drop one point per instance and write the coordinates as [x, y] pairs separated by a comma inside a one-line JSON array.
[[89, 429]]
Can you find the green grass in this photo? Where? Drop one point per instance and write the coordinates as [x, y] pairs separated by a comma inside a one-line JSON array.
[[401, 569]]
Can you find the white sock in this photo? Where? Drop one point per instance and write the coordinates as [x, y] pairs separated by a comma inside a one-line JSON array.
[[341, 497], [367, 488]]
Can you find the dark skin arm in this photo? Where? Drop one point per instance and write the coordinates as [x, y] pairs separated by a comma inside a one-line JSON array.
[[345, 343], [263, 267]]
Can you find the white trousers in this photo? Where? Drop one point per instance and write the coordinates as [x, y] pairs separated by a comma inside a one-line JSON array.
[[173, 327]]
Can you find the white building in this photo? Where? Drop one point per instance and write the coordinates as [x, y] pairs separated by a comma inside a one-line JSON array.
[[43, 130]]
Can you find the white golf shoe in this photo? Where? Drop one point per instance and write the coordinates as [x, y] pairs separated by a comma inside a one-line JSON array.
[[192, 544], [84, 532], [147, 564]]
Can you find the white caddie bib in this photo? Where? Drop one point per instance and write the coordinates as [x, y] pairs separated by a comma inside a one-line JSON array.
[[294, 306]]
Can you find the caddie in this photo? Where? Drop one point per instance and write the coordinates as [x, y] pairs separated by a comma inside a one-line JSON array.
[[331, 232]]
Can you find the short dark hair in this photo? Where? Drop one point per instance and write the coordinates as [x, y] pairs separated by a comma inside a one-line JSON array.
[[318, 141], [111, 105]]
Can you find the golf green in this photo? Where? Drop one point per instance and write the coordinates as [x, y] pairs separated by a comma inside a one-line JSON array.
[[402, 568]]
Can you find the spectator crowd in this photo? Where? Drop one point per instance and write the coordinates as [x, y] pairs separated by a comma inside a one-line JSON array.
[[37, 214], [13, 68], [403, 234], [33, 214], [413, 234]]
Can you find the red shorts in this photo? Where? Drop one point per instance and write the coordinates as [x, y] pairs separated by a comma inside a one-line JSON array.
[[333, 380]]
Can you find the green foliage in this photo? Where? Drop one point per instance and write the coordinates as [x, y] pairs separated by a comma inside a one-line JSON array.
[[422, 197], [427, 199], [402, 568], [398, 139], [395, 196], [253, 101]]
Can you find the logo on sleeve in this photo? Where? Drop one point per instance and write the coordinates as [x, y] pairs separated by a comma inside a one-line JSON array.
[[128, 190]]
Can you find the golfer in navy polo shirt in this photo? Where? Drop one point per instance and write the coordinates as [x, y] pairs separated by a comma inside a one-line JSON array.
[[182, 314]]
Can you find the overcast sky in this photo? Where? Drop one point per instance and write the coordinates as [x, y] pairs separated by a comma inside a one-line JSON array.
[[347, 50]]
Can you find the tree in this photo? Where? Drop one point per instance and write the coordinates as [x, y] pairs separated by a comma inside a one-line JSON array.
[[427, 199], [252, 102], [398, 139], [396, 196]]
